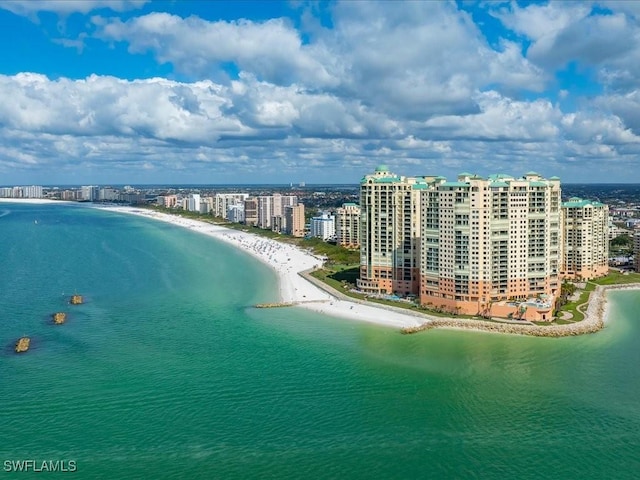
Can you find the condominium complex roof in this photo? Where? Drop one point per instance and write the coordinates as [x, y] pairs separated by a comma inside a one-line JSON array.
[[576, 202]]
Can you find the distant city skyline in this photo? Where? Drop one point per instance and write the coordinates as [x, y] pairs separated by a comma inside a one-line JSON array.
[[153, 92]]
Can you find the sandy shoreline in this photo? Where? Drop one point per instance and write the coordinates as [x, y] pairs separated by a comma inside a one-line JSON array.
[[289, 262]]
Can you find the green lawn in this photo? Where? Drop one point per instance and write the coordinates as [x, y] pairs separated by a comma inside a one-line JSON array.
[[572, 307], [616, 278]]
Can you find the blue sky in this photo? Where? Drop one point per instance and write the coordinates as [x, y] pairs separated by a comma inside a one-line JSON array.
[[135, 91]]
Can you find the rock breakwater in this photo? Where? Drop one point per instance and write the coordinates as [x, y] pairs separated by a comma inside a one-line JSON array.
[[594, 320]]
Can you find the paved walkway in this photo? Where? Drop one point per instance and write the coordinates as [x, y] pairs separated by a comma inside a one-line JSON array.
[[566, 316]]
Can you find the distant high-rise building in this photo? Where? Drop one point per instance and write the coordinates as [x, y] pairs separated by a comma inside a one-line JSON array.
[[251, 211], [323, 227], [348, 225], [192, 203], [167, 201], [89, 193], [108, 194], [33, 191], [265, 211], [235, 213], [68, 195], [206, 205], [276, 206], [294, 220], [585, 252], [278, 224], [636, 249], [271, 206], [222, 201]]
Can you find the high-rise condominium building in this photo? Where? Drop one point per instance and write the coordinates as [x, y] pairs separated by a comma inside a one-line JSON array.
[[489, 241], [33, 191], [390, 234], [323, 227], [489, 246], [90, 193], [585, 243], [235, 213], [192, 203], [265, 211], [270, 206], [251, 212], [348, 225], [294, 220], [636, 250], [222, 202]]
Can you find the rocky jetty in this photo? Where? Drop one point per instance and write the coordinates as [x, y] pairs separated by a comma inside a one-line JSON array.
[[275, 305], [577, 328], [76, 300], [593, 320], [59, 318], [22, 345]]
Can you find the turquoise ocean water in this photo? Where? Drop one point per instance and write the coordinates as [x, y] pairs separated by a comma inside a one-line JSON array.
[[167, 372]]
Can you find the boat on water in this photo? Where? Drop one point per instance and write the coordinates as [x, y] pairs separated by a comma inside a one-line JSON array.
[[59, 318], [22, 345]]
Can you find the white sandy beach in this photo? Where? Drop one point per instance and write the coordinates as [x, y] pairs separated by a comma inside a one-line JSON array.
[[287, 261]]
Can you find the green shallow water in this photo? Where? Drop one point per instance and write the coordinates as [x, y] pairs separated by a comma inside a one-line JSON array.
[[167, 372]]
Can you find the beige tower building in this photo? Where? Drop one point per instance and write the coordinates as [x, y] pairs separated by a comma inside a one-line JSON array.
[[636, 249], [348, 225], [390, 234], [294, 220], [490, 246], [585, 239], [265, 211]]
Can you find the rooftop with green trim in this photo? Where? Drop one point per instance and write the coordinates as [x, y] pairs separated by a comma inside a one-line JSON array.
[[576, 202], [500, 176], [454, 184]]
